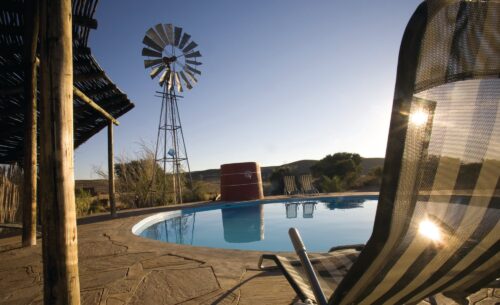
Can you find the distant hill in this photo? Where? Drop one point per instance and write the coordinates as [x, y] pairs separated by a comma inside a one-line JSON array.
[[100, 186], [298, 168]]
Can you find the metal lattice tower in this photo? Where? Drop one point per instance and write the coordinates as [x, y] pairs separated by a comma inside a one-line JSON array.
[[171, 54]]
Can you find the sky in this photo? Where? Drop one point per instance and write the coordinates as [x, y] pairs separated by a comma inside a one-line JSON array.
[[282, 80]]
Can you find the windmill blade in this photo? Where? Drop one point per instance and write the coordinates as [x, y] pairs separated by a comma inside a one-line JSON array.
[[152, 62], [188, 85], [150, 43], [165, 76], [177, 34], [156, 71], [151, 53], [193, 62], [184, 40], [161, 31], [189, 47], [178, 82], [191, 76], [170, 81], [162, 78], [169, 30], [155, 37], [194, 54], [191, 69]]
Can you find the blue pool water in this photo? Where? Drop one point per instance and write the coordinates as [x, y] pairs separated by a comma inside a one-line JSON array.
[[263, 225]]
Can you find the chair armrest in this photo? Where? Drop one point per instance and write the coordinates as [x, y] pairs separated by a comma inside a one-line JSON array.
[[357, 247], [268, 257], [300, 249], [494, 284]]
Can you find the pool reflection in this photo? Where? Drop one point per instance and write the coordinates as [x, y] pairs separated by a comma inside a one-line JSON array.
[[243, 224], [344, 203], [179, 230], [308, 208]]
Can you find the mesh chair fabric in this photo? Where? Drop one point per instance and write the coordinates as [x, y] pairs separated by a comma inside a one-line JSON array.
[[438, 220]]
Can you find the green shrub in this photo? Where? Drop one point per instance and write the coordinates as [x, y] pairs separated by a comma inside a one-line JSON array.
[[330, 185], [201, 191], [83, 202]]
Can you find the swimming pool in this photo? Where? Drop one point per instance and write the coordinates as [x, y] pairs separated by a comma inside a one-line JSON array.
[[263, 225]]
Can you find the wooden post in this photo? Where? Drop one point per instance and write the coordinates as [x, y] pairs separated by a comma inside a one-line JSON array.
[[57, 183], [31, 22], [94, 105], [111, 170]]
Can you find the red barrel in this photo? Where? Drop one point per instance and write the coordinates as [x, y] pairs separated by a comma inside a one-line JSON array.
[[241, 181]]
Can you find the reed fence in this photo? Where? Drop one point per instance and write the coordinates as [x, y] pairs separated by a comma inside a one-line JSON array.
[[11, 177]]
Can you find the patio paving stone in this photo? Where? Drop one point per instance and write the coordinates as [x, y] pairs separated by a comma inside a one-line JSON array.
[[117, 267]]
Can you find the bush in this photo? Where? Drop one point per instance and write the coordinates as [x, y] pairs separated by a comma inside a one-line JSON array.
[[83, 202], [142, 182], [330, 185], [201, 191], [371, 180]]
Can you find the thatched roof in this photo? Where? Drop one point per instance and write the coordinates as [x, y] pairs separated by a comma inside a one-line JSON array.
[[88, 77]]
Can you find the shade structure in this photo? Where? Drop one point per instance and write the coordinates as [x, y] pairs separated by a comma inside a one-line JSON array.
[[89, 78]]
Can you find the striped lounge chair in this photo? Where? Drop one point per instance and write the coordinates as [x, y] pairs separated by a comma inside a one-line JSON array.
[[306, 184], [290, 185], [437, 225]]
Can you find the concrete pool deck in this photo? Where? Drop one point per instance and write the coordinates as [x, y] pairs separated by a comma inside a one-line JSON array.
[[117, 267]]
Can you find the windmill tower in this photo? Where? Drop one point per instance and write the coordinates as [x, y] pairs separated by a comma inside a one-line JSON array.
[[172, 57]]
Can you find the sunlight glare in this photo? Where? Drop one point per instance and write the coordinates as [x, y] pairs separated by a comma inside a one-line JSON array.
[[430, 230], [418, 117]]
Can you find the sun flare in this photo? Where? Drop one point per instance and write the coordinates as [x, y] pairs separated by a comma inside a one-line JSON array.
[[430, 230]]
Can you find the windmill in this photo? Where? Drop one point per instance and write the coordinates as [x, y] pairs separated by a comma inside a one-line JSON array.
[[173, 60]]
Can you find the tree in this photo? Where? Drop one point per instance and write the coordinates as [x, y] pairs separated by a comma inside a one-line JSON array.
[[340, 164]]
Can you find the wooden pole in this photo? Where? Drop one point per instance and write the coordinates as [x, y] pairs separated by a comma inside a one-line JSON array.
[[111, 170], [94, 105], [31, 22], [57, 183]]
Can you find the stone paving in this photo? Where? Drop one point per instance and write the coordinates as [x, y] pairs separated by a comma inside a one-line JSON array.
[[117, 267]]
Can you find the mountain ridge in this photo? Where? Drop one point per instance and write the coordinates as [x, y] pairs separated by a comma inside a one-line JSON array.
[[299, 167]]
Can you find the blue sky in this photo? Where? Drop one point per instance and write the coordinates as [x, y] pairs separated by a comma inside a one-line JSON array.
[[282, 80]]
